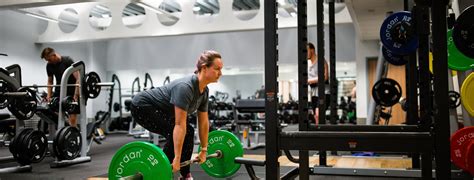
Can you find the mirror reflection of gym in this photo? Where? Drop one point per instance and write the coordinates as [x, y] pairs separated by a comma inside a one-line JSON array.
[[100, 17]]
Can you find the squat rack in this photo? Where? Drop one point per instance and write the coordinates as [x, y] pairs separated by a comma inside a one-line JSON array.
[[410, 138]]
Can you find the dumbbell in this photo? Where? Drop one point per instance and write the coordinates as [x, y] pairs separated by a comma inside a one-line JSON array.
[[69, 105], [143, 160]]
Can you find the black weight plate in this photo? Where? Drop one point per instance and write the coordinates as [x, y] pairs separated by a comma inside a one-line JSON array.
[[90, 89], [393, 58], [22, 158], [386, 92], [463, 32], [54, 104], [23, 108], [17, 148], [454, 99], [68, 105], [36, 146], [4, 87], [69, 143], [13, 144], [116, 107], [56, 141]]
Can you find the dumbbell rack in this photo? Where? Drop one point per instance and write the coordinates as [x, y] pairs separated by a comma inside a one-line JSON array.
[[249, 106], [78, 66]]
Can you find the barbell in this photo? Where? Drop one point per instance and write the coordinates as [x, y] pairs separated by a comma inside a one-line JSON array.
[[21, 102], [143, 160], [91, 85], [139, 175]]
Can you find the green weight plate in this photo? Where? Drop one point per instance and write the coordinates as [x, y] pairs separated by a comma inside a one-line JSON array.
[[456, 59], [467, 94], [230, 147], [140, 157]]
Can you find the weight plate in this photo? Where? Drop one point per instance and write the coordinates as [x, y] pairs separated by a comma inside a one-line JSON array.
[[463, 32], [16, 148], [470, 158], [386, 92], [4, 87], [397, 35], [90, 89], [68, 144], [23, 108], [393, 58], [68, 105], [457, 60], [36, 146], [56, 140], [142, 157], [116, 107], [230, 147], [454, 99], [467, 95], [460, 140]]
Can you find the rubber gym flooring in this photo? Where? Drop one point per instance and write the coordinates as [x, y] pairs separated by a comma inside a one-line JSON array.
[[102, 154]]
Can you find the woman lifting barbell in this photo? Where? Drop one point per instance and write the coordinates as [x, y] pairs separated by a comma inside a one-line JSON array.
[[164, 110]]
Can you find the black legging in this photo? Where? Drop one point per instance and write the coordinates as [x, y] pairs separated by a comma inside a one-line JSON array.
[[157, 121]]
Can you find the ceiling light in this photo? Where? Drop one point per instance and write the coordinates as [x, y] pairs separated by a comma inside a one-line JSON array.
[[149, 7], [41, 17], [38, 16], [196, 8]]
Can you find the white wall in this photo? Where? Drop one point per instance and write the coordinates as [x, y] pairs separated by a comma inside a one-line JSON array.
[[364, 49]]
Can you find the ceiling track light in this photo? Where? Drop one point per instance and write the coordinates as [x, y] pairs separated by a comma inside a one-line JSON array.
[[38, 16], [156, 10]]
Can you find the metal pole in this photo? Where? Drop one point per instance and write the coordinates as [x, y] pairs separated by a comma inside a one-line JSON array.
[[272, 132]]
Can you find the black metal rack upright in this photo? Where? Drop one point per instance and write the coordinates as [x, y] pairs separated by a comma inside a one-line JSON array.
[[407, 138]]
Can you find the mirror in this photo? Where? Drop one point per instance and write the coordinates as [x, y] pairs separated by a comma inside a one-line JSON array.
[[245, 9], [68, 20], [206, 8], [133, 15], [100, 17], [169, 12], [287, 8]]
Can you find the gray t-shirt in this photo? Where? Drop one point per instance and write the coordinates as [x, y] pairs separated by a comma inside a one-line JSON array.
[[312, 74], [183, 93]]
